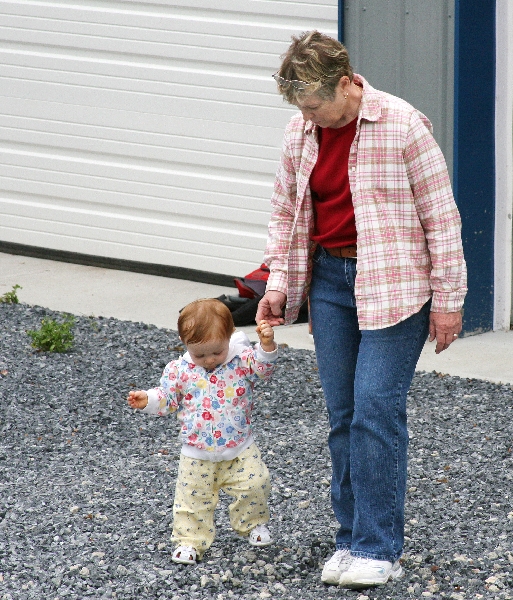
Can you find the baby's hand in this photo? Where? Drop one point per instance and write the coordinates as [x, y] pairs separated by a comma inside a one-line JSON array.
[[138, 399], [266, 335]]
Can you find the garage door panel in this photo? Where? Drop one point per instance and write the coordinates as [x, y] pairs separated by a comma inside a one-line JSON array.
[[181, 205], [166, 39], [167, 83], [133, 194], [144, 251], [164, 226], [177, 107], [150, 175], [169, 51], [112, 123], [17, 128], [254, 9], [160, 155], [235, 19]]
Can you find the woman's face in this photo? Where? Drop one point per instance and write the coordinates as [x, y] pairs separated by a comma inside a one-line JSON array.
[[326, 113]]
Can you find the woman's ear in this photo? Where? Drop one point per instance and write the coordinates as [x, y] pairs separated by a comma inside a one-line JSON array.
[[344, 83]]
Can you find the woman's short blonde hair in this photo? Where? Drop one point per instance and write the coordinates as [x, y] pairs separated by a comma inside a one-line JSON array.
[[204, 321], [316, 59]]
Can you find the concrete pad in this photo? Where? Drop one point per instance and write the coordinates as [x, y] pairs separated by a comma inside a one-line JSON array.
[[87, 291], [486, 356]]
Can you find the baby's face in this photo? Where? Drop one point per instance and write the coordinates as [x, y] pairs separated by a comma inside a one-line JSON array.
[[209, 355]]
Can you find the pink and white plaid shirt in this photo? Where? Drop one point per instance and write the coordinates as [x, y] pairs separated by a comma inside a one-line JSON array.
[[408, 225]]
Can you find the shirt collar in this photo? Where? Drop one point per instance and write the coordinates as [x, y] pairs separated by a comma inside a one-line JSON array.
[[370, 107]]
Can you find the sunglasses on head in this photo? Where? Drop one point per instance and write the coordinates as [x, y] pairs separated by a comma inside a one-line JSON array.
[[295, 83]]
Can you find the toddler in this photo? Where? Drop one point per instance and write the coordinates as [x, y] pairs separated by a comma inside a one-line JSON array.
[[211, 389]]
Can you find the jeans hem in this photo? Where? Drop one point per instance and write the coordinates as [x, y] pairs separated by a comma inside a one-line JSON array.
[[343, 547], [374, 556]]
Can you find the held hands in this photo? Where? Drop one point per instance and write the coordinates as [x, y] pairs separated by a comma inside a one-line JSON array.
[[270, 307], [138, 399], [445, 328], [266, 335]]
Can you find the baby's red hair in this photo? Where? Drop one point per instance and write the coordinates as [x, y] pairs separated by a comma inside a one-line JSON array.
[[205, 320]]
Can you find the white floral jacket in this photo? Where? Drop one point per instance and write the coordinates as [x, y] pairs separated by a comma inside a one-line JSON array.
[[214, 407]]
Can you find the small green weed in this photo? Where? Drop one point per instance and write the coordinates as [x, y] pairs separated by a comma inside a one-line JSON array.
[[53, 336], [11, 297], [94, 324]]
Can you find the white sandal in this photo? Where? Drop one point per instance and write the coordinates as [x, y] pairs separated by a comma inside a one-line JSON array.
[[185, 555], [260, 536]]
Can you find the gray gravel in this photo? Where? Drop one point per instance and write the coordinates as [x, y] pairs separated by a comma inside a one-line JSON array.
[[86, 484]]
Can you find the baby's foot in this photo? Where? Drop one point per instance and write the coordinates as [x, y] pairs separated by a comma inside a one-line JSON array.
[[260, 536], [185, 555]]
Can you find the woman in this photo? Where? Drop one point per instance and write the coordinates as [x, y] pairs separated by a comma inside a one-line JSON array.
[[365, 224]]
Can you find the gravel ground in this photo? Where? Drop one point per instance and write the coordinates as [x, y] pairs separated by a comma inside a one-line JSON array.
[[86, 484]]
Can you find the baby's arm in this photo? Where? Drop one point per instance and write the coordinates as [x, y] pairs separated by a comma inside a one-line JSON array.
[[138, 399], [161, 400], [266, 335]]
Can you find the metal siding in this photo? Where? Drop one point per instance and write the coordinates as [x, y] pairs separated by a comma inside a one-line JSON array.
[[503, 234], [146, 132], [405, 47]]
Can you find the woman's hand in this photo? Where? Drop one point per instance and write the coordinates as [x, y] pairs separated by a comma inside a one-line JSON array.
[[445, 328], [138, 399], [270, 307]]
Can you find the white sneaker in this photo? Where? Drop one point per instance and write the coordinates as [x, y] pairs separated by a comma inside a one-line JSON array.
[[365, 572], [335, 566], [260, 536]]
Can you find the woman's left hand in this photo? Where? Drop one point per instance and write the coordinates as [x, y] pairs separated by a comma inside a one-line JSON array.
[[445, 328]]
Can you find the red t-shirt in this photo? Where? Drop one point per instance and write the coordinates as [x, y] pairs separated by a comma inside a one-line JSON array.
[[329, 184]]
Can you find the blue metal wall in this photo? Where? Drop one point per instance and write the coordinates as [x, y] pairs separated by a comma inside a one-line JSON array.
[[474, 153]]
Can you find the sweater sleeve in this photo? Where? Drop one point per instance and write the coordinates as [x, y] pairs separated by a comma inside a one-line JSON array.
[[165, 398], [259, 364], [438, 213], [281, 222]]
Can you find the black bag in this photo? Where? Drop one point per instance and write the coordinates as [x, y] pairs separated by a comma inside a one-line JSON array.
[[243, 309]]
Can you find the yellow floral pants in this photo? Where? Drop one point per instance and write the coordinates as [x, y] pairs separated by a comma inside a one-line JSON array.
[[245, 478]]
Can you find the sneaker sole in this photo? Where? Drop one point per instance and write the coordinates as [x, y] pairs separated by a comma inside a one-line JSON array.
[[330, 580], [363, 583], [180, 561], [260, 544], [333, 577]]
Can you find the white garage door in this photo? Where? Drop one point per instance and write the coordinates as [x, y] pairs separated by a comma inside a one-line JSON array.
[[145, 131]]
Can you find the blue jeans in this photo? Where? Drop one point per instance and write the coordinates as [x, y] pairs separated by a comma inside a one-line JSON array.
[[365, 376]]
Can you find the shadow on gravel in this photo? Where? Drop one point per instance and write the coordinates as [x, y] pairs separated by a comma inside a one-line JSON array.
[[86, 484]]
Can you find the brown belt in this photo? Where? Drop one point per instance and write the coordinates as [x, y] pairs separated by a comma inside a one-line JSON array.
[[342, 251]]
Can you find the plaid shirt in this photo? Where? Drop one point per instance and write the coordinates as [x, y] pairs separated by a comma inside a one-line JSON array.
[[408, 225]]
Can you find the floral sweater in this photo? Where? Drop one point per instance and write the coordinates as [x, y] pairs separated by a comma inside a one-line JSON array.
[[213, 407]]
